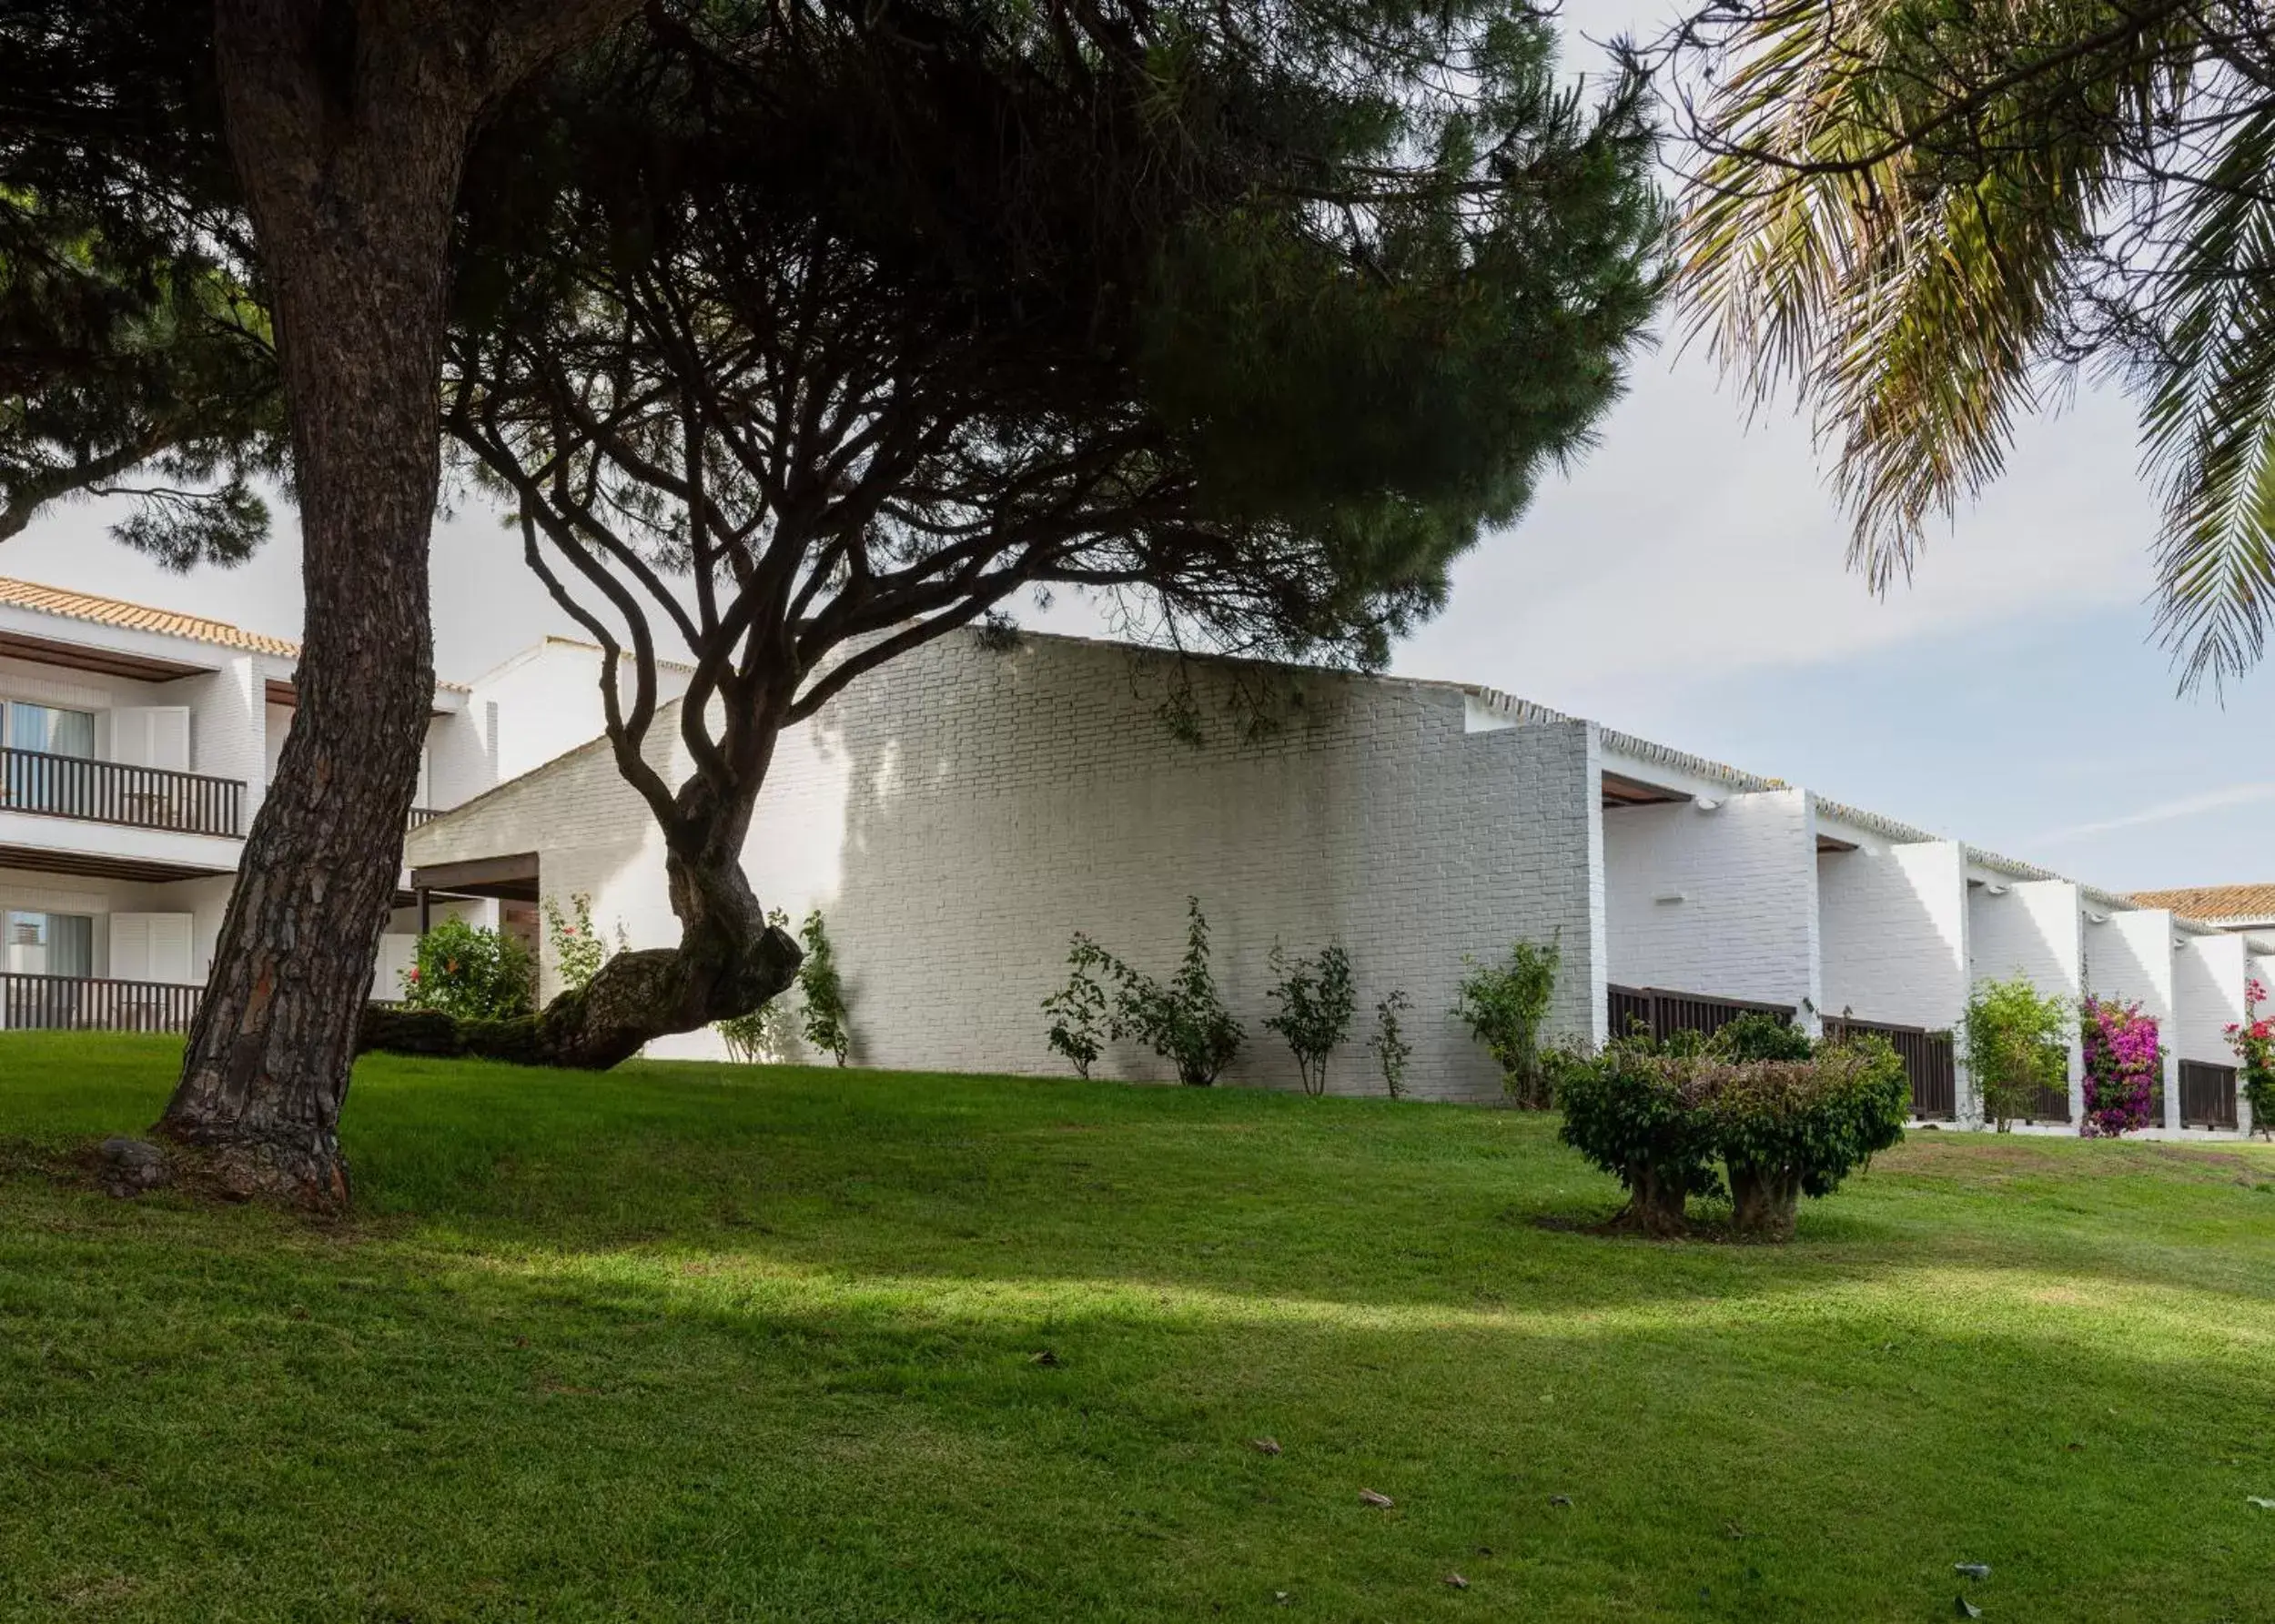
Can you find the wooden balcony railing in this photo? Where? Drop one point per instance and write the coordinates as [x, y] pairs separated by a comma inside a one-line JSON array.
[[2208, 1095], [80, 1004], [1928, 1060], [32, 780], [421, 815], [1662, 1014]]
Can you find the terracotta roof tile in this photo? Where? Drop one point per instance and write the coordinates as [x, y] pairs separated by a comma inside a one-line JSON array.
[[2214, 902], [137, 617]]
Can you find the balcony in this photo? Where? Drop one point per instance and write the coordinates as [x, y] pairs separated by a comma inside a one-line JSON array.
[[82, 1003], [60, 786]]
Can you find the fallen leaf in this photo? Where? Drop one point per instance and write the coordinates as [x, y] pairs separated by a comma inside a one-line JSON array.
[[2263, 1505], [1044, 1357], [1373, 1498], [1560, 1500], [1282, 1597], [1456, 1581], [1734, 1531], [1972, 1570], [1965, 1608], [1265, 1445]]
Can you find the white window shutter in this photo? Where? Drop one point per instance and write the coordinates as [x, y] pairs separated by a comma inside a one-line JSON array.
[[151, 736], [150, 947], [169, 947], [130, 946]]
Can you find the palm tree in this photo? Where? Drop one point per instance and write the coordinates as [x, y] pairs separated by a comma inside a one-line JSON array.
[[1928, 215]]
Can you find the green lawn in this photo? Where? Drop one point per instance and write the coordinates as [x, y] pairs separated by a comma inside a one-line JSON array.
[[705, 1343]]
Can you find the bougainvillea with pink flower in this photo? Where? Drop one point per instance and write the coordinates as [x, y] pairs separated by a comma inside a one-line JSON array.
[[2253, 1040], [2124, 1059]]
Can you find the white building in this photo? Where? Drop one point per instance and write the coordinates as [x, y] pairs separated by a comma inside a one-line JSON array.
[[135, 745], [958, 814]]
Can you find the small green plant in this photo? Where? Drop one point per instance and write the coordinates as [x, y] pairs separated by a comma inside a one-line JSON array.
[[2253, 1040], [2017, 1044], [767, 1036], [470, 973], [1390, 1049], [1182, 1020], [826, 1024], [1503, 1005], [1315, 999], [1080, 1012], [578, 950]]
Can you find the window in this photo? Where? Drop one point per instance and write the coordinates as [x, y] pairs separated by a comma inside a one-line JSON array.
[[48, 943], [49, 730]]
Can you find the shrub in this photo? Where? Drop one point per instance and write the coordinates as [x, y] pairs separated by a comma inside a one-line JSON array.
[[767, 1036], [1758, 1035], [1659, 1118], [1392, 1051], [1315, 999], [2124, 1061], [471, 974], [2253, 1039], [2015, 1046], [827, 1023], [578, 950], [1791, 1128], [1182, 1020], [1503, 1005], [1079, 1011], [1632, 1110]]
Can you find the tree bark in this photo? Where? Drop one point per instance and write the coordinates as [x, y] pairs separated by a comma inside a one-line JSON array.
[[349, 127], [1764, 1201], [1654, 1205]]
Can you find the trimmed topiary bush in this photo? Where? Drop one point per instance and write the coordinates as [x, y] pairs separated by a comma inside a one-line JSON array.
[[1790, 1128], [1633, 1111], [1659, 1119]]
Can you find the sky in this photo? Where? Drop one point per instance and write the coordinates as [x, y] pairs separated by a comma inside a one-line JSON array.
[[1686, 581]]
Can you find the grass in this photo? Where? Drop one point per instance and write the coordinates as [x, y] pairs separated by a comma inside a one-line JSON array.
[[706, 1343]]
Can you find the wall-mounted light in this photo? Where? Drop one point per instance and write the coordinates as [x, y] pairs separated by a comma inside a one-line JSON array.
[[1671, 896], [2093, 918], [1707, 803], [1995, 889]]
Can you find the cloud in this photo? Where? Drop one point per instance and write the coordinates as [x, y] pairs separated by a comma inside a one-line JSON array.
[[2168, 811]]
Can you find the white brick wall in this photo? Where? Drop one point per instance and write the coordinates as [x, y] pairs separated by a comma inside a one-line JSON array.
[[960, 813], [2208, 973], [1894, 931], [1722, 902], [2035, 928]]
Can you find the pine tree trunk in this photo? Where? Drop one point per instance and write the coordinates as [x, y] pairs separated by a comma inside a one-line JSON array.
[[349, 127], [729, 962]]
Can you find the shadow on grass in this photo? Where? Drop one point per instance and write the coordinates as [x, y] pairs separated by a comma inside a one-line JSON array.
[[228, 1413]]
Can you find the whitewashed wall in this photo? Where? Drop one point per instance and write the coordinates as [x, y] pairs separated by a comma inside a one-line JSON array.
[[2036, 929], [960, 814], [1893, 931], [1721, 903]]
